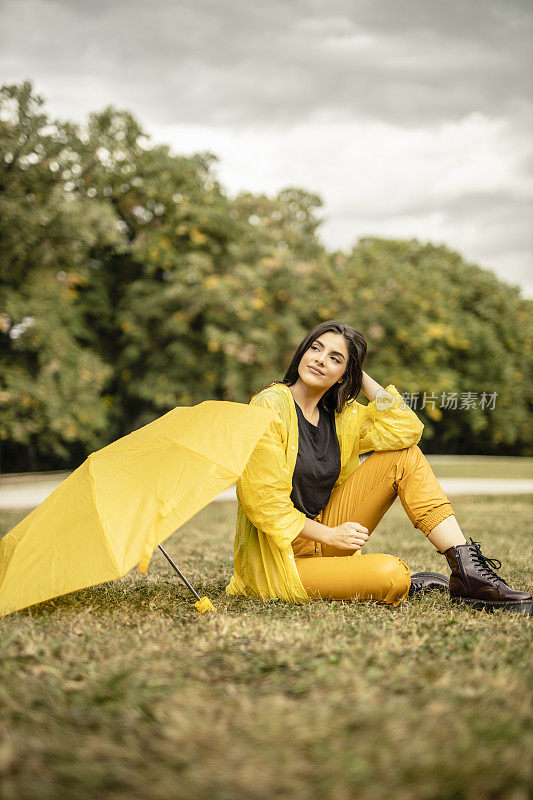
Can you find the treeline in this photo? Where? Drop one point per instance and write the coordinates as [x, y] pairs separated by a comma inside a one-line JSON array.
[[132, 283]]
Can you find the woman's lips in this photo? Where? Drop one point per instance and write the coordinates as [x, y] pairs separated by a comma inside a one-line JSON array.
[[315, 371]]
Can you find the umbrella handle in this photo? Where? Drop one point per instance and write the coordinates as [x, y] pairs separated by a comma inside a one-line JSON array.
[[202, 604], [180, 573]]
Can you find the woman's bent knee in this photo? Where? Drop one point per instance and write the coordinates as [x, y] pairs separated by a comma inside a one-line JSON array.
[[396, 579], [413, 451]]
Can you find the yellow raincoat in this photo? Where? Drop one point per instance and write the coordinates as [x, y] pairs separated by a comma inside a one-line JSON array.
[[267, 521]]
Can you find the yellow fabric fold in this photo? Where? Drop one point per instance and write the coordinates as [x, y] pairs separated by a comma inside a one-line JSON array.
[[144, 563]]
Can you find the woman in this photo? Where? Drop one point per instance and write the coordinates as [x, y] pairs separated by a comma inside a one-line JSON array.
[[307, 506]]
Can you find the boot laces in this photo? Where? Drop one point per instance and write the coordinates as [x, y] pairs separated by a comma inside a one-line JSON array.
[[486, 565]]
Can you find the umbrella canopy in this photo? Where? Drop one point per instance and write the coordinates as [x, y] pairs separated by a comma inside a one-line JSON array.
[[124, 500]]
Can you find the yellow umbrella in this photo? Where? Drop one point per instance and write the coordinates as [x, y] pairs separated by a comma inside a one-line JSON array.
[[124, 500]]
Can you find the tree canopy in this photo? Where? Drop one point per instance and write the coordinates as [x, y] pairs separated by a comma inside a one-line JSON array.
[[132, 283]]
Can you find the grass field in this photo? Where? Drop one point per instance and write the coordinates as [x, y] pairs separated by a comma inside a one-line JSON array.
[[482, 467], [124, 691]]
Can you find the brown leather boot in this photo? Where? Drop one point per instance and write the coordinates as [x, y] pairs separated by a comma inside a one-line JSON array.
[[474, 582]]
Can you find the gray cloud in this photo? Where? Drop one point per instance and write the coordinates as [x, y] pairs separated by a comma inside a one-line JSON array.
[[237, 62], [329, 94]]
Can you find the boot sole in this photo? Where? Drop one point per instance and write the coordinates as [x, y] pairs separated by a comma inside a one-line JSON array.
[[524, 607], [438, 587]]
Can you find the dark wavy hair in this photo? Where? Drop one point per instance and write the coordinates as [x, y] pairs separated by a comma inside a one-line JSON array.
[[338, 394]]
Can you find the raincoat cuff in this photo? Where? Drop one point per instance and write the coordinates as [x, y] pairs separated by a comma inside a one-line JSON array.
[[385, 400], [285, 533], [294, 530]]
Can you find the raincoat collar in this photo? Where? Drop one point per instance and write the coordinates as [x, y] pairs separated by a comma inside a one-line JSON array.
[[345, 426]]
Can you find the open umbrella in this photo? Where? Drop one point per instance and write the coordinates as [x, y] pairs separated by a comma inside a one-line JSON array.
[[124, 500]]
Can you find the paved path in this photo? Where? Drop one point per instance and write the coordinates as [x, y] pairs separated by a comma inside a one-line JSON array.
[[19, 492]]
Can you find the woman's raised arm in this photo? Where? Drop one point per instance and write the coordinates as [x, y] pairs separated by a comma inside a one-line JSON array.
[[387, 422]]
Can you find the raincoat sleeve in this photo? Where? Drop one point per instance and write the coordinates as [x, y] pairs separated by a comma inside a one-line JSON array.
[[265, 486], [389, 425]]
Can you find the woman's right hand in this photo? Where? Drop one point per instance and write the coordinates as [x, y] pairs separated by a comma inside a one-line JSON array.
[[348, 536]]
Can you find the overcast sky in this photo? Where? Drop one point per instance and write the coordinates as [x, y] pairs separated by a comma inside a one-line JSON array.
[[411, 118]]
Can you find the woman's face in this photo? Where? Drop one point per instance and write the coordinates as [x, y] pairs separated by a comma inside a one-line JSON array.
[[324, 362]]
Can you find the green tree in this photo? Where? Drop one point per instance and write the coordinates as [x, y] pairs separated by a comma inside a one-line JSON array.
[[132, 283], [216, 315], [52, 405], [435, 324]]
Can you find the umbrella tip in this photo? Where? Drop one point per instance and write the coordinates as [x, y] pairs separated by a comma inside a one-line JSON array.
[[204, 604]]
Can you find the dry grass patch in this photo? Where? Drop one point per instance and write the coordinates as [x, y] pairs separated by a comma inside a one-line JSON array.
[[125, 691]]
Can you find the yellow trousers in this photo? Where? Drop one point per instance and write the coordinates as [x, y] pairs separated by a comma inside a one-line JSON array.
[[365, 496]]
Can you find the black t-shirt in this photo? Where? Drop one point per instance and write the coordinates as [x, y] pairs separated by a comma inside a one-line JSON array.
[[318, 463]]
